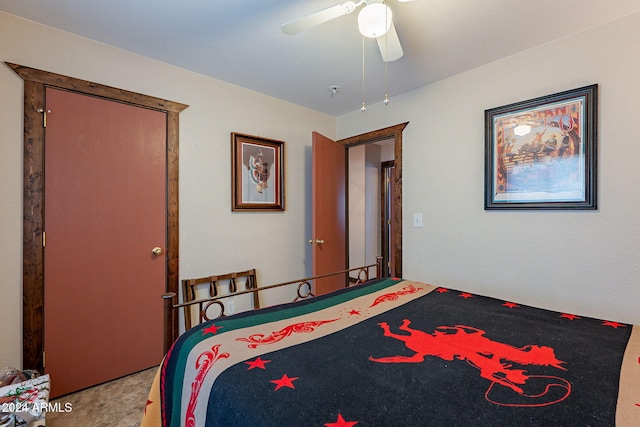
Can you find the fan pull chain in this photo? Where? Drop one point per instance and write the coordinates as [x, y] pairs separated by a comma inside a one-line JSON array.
[[386, 64], [363, 109], [386, 84]]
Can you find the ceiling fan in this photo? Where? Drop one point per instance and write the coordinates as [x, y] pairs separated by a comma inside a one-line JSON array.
[[374, 21]]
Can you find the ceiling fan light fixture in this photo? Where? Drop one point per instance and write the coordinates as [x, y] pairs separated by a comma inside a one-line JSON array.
[[374, 20]]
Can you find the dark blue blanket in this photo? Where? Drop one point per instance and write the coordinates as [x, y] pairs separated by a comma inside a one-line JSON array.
[[396, 353]]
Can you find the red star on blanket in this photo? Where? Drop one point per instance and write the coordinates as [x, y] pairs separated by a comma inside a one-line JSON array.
[[354, 313], [257, 363], [466, 295], [442, 290], [340, 422], [510, 304], [285, 381], [569, 316], [213, 329], [614, 325], [149, 402]]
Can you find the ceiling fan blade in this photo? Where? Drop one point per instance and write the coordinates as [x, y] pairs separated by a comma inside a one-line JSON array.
[[389, 45], [318, 18]]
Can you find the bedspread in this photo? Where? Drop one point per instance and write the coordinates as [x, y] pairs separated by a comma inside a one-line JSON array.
[[400, 353]]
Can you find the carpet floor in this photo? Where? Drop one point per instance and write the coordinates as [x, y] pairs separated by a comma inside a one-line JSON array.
[[117, 403]]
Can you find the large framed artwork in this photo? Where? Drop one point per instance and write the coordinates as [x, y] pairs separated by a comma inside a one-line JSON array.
[[541, 153], [257, 173]]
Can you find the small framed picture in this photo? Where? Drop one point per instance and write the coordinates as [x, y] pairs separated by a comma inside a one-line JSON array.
[[257, 173], [541, 153]]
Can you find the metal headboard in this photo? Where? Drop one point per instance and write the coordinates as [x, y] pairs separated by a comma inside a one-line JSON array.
[[303, 291]]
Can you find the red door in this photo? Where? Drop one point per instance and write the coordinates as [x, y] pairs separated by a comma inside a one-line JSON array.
[[328, 212], [105, 211]]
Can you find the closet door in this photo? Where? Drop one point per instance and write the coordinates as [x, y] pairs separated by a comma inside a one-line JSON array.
[[105, 212]]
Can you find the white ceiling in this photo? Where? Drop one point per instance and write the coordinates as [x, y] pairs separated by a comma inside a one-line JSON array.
[[240, 42]]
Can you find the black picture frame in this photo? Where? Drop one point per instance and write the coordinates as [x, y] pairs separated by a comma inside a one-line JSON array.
[[542, 153]]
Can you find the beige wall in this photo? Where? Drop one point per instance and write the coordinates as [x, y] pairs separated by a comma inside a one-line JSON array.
[[212, 238], [584, 262]]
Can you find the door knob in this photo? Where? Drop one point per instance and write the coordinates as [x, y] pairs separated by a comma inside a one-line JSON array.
[[156, 251], [316, 241]]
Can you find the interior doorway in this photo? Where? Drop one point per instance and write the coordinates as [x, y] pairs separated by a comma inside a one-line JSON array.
[[388, 140], [370, 203]]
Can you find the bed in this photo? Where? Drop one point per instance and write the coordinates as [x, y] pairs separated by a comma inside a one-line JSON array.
[[395, 352]]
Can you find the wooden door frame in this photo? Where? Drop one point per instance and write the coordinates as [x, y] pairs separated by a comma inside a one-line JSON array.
[[395, 133], [384, 243], [35, 83]]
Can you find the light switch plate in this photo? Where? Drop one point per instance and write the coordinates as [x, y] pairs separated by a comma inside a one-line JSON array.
[[417, 220]]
